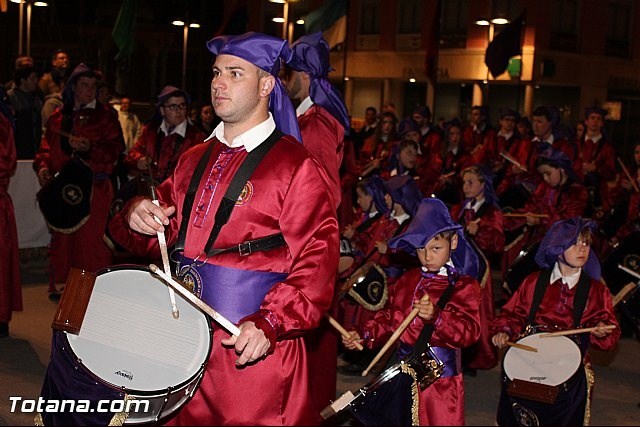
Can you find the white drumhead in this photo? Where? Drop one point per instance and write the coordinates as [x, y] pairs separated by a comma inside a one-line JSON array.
[[557, 359], [130, 339]]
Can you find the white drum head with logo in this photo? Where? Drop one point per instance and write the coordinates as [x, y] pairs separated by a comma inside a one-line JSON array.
[[557, 359], [130, 339]]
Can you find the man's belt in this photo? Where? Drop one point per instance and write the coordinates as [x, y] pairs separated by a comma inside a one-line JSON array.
[[245, 248]]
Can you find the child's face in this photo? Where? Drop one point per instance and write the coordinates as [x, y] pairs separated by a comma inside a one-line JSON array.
[[364, 200], [551, 175], [409, 157], [577, 254], [472, 186], [436, 252]]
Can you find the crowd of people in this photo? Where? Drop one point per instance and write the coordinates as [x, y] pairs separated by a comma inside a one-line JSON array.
[[361, 226]]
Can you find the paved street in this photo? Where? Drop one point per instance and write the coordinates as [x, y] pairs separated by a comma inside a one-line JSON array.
[[24, 356]]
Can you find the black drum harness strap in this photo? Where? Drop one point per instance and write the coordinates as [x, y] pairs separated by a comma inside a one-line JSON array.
[[579, 302], [227, 204]]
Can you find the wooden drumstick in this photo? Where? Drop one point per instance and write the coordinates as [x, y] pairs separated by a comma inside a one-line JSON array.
[[222, 321], [575, 331], [622, 294], [512, 160], [342, 331], [165, 256], [628, 270], [522, 215], [521, 346], [626, 172], [395, 336]]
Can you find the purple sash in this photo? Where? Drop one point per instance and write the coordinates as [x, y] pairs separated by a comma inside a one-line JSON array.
[[232, 292]]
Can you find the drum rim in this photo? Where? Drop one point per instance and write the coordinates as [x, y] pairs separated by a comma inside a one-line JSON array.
[[564, 339], [135, 392]]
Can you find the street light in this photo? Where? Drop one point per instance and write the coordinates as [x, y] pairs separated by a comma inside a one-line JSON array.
[[185, 38], [29, 4]]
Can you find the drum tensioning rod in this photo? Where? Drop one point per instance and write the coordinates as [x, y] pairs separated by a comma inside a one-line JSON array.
[[222, 321]]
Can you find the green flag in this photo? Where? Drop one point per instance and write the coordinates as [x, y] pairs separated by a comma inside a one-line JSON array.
[[125, 27]]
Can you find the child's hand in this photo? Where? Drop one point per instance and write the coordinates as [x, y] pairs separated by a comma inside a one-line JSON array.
[[348, 231], [600, 331], [382, 247], [532, 220], [425, 307], [500, 339], [473, 226], [350, 344]]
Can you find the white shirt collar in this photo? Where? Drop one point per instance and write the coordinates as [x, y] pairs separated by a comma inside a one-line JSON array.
[[181, 129], [570, 281], [443, 270], [249, 139], [304, 106], [549, 139], [476, 205], [91, 105], [594, 138], [505, 135], [401, 218]]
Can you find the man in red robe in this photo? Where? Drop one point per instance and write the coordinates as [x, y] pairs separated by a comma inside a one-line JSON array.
[[323, 119], [275, 295], [85, 129], [10, 290]]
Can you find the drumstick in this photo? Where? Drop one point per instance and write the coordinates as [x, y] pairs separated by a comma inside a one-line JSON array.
[[521, 346], [512, 160], [342, 330], [575, 331], [395, 336], [61, 133], [620, 296], [165, 256], [225, 323], [522, 215], [628, 270], [626, 172]]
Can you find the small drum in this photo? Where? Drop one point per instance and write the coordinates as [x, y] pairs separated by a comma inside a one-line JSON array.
[[347, 255], [130, 342], [389, 398], [65, 201], [368, 286], [557, 360]]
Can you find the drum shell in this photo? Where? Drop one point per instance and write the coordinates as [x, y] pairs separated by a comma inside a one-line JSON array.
[[163, 375]]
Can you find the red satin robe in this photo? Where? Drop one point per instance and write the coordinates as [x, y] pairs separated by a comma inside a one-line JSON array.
[[603, 153], [285, 194], [10, 289], [323, 135], [456, 327], [556, 311], [84, 248], [168, 158], [568, 201], [490, 240], [475, 140], [524, 151]]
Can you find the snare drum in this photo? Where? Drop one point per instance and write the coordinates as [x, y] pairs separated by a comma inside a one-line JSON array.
[[557, 360], [129, 342]]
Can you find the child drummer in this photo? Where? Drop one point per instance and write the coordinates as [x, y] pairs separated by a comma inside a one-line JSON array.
[[447, 260], [552, 300]]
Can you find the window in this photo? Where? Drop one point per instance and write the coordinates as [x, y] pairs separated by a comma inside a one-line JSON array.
[[369, 17], [618, 29], [410, 16], [564, 25], [454, 17]]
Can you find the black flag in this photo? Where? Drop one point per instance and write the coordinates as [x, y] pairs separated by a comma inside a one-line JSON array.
[[505, 45]]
